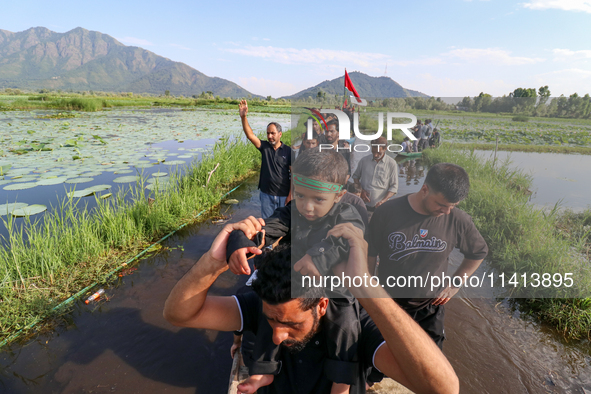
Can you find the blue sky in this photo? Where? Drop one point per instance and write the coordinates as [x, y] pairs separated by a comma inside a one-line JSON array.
[[442, 48]]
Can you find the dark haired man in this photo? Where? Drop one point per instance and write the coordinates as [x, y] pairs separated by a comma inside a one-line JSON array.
[[274, 181], [413, 236], [341, 146], [405, 353]]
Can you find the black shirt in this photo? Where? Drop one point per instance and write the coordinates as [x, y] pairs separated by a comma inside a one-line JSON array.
[[411, 244], [303, 372], [274, 179]]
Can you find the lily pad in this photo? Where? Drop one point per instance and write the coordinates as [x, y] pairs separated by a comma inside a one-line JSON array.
[[157, 174], [158, 185], [125, 179], [123, 172], [80, 193], [5, 209], [52, 181], [29, 210], [174, 162], [104, 196], [158, 179], [98, 188], [80, 180], [21, 186]]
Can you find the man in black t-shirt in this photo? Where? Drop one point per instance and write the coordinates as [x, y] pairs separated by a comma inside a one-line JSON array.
[[274, 181], [401, 351], [413, 236]]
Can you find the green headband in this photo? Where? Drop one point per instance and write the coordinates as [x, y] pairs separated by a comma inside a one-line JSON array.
[[324, 187]]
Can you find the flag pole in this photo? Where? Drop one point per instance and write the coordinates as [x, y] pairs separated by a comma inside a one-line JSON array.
[[344, 89]]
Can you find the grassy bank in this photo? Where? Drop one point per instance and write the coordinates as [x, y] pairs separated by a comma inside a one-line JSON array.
[[76, 102], [523, 239], [583, 150], [75, 248]]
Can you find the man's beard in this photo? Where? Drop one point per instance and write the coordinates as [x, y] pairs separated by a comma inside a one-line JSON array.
[[294, 346]]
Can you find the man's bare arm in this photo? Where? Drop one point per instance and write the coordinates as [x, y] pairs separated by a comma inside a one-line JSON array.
[[466, 268], [188, 304], [409, 356], [243, 108]]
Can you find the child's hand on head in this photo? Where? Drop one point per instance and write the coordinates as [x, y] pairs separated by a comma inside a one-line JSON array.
[[238, 262], [306, 267]]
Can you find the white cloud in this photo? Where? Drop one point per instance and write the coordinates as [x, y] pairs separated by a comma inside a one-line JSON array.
[[430, 61], [135, 41], [181, 47], [567, 81], [566, 5], [314, 56], [567, 54], [267, 87], [491, 56]]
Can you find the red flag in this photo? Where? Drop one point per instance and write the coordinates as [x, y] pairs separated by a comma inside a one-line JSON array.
[[349, 85]]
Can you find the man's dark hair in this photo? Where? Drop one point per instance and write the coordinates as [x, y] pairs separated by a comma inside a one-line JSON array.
[[305, 136], [276, 280], [354, 188], [326, 165], [450, 180], [333, 122], [277, 126]]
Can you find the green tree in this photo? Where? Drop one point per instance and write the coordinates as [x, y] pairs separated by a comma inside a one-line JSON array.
[[167, 93]]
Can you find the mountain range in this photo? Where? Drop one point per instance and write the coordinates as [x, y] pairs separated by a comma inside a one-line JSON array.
[[83, 60], [366, 86], [89, 60]]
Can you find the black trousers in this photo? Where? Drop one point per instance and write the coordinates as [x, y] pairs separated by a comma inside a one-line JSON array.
[[430, 318]]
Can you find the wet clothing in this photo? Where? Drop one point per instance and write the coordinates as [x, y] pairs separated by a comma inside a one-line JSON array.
[[274, 179], [270, 203], [313, 370], [411, 244]]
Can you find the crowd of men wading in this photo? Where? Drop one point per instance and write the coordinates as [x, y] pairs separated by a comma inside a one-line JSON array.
[[327, 216]]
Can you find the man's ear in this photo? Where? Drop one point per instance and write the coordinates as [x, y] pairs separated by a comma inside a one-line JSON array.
[[322, 306], [424, 190]]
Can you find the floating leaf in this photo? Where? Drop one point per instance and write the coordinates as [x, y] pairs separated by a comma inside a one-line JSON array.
[[52, 181], [80, 180], [80, 193], [104, 196], [5, 209], [125, 179], [158, 179], [21, 186], [98, 188], [174, 162], [29, 210], [157, 174]]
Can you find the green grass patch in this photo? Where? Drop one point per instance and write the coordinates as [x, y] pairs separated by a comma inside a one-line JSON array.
[[523, 239], [584, 150], [75, 247]]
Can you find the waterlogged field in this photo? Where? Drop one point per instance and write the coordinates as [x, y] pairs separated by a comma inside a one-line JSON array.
[[45, 156], [534, 132]]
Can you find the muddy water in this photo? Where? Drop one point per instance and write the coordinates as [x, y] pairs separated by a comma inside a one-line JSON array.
[[124, 345]]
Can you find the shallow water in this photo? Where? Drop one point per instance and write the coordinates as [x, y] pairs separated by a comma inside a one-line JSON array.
[[557, 178], [125, 345]]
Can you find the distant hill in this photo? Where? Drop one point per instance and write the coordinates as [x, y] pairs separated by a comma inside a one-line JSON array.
[[367, 87], [89, 60]]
